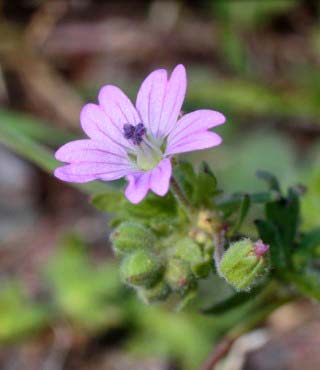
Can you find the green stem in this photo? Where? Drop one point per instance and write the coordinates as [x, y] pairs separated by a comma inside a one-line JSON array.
[[181, 197]]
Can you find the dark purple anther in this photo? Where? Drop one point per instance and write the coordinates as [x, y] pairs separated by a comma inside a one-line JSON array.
[[128, 130], [134, 132]]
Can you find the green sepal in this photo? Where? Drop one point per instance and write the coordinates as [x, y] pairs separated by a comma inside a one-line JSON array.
[[157, 293], [178, 275], [141, 268], [130, 236], [189, 251]]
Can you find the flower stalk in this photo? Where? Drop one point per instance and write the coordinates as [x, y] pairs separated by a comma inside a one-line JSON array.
[[181, 197]]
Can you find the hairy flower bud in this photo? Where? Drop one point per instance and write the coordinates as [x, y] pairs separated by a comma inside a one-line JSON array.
[[156, 293], [189, 251], [243, 263], [178, 275], [141, 268], [208, 221], [131, 236]]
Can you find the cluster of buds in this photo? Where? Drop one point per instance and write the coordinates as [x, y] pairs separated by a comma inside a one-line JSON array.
[[154, 267]]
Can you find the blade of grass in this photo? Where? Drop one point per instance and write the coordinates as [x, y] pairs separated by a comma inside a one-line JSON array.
[[39, 155], [34, 128]]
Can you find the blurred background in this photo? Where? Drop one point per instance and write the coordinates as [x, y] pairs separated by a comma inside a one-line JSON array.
[[62, 306]]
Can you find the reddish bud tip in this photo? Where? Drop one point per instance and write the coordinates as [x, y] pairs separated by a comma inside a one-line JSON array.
[[260, 248]]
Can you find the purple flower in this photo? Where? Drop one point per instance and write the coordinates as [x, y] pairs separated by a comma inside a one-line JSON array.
[[138, 142]]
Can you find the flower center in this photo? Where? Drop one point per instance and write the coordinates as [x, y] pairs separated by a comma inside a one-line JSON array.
[[135, 133], [146, 154]]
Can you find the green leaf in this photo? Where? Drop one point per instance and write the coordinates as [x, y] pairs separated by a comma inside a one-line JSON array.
[[205, 187], [35, 129], [152, 206], [310, 240], [285, 215], [108, 201], [270, 235], [244, 209], [270, 179], [234, 200], [308, 250], [159, 213], [19, 315], [307, 283], [84, 292], [232, 302], [186, 177]]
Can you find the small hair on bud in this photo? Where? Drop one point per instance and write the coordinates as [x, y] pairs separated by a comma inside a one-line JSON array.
[[141, 268], [131, 236]]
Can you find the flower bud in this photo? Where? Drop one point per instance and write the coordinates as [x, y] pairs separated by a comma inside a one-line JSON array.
[[131, 236], [189, 251], [208, 221], [141, 268], [243, 263], [158, 292], [178, 275]]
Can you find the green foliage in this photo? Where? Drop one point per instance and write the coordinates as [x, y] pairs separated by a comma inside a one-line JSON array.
[[292, 253], [31, 127], [232, 302], [20, 316], [311, 201], [199, 188], [248, 14], [239, 96], [82, 292], [243, 212], [158, 213]]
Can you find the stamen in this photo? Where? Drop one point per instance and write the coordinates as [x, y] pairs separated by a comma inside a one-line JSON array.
[[135, 133], [128, 131]]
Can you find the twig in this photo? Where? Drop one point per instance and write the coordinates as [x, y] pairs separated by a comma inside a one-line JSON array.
[[222, 348], [62, 342], [219, 351]]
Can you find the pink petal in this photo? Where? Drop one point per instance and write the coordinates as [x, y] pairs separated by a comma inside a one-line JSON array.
[[138, 186], [202, 140], [84, 172], [160, 177], [176, 90], [117, 106], [90, 151], [194, 122], [150, 99], [63, 174], [98, 126]]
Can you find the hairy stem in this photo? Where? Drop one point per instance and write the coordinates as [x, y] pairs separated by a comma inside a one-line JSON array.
[[181, 197], [218, 240]]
